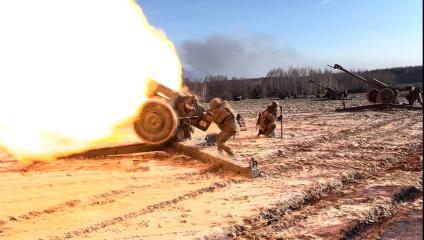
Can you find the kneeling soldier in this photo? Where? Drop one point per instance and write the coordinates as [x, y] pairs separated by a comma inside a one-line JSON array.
[[267, 120]]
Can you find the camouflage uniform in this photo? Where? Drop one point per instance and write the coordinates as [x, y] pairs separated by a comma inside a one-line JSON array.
[[267, 120], [414, 95], [185, 106], [223, 116]]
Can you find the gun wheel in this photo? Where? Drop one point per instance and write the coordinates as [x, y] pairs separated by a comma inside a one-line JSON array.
[[156, 122], [372, 95], [386, 96]]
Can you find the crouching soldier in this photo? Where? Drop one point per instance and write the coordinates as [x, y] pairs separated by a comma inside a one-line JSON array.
[[223, 116], [414, 95], [267, 118], [186, 106]]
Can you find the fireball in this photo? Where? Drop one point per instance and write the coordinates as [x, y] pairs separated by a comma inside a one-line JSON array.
[[71, 71]]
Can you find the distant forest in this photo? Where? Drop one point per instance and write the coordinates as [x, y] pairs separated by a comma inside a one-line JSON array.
[[294, 82]]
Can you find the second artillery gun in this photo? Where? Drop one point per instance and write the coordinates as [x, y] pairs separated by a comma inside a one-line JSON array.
[[331, 93], [380, 94]]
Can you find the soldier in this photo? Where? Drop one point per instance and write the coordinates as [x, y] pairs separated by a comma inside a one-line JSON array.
[[223, 116], [414, 95], [267, 120], [344, 94], [185, 105]]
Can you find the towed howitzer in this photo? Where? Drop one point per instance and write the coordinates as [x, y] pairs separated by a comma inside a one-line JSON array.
[[158, 123], [331, 93], [379, 93]]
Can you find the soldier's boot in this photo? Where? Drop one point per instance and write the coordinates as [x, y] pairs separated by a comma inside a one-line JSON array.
[[271, 131], [410, 100], [226, 148], [271, 134], [229, 152], [420, 100]]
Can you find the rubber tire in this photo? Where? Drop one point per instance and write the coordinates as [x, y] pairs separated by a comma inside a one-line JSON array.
[[156, 122], [386, 96], [372, 95]]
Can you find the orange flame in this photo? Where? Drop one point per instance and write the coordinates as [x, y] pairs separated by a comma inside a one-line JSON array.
[[70, 71]]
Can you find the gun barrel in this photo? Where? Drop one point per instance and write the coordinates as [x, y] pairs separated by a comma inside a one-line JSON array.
[[375, 81], [337, 66], [326, 88], [380, 83], [158, 89]]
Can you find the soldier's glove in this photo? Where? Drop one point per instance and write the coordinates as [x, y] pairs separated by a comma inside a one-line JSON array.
[[280, 118]]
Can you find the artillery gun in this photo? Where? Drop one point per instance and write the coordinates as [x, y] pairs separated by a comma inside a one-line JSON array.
[[331, 93], [379, 92], [161, 127], [381, 95]]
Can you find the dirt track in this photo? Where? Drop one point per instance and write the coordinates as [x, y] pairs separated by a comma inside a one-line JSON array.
[[333, 176]]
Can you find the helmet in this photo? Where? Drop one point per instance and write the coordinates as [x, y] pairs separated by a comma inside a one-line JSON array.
[[274, 104], [191, 98], [410, 88], [214, 103]]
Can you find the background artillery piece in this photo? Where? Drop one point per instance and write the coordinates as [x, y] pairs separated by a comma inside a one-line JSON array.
[[380, 94], [331, 93]]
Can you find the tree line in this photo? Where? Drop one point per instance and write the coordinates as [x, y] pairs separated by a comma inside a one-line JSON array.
[[294, 82]]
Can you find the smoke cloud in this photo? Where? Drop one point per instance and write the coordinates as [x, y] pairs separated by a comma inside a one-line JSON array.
[[248, 56]]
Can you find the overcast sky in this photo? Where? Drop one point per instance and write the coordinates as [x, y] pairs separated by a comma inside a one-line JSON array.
[[246, 38]]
